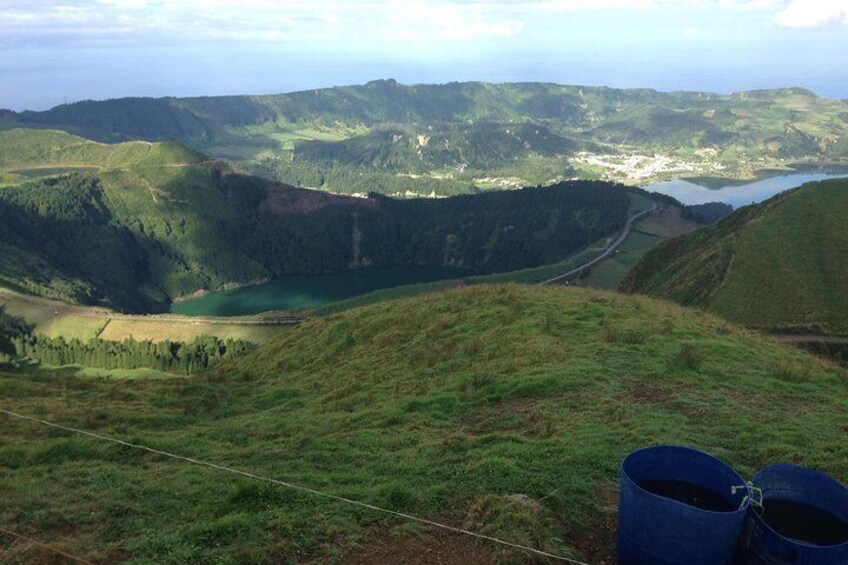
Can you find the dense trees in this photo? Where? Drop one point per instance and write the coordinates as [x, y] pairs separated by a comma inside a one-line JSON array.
[[18, 341], [708, 213], [135, 239]]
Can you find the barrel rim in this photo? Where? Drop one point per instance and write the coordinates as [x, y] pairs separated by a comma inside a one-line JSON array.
[[746, 503], [759, 519]]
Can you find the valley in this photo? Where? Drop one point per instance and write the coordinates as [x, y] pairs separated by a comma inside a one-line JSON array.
[[469, 318], [464, 137]]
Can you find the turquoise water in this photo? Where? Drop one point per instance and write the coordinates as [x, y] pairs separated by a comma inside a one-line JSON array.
[[734, 193], [305, 291]]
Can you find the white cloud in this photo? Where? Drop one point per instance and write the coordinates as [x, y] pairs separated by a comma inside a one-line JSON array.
[[341, 22], [261, 20], [813, 13], [575, 5]]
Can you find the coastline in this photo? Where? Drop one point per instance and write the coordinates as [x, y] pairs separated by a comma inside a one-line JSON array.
[[228, 286]]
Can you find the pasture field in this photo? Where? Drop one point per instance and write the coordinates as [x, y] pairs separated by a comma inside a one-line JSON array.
[[57, 319], [503, 409]]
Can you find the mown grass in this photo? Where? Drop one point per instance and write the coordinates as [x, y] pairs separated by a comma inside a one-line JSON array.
[[185, 329], [609, 273], [57, 319], [470, 406]]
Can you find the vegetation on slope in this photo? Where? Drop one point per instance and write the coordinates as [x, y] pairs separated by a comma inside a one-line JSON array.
[[456, 137], [136, 237], [504, 409], [27, 153], [779, 265]]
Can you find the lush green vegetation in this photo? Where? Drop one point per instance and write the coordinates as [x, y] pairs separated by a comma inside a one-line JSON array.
[[778, 265], [506, 409], [136, 237], [18, 342], [708, 213], [460, 137]]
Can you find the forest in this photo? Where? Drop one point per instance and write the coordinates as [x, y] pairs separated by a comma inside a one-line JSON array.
[[136, 239]]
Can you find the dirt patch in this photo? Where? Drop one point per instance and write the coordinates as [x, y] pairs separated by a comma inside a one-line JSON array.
[[522, 415], [282, 199], [647, 394], [598, 541], [383, 545]]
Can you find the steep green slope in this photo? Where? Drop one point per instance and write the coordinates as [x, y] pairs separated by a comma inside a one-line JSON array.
[[137, 235], [460, 136], [506, 410], [781, 264], [27, 153]]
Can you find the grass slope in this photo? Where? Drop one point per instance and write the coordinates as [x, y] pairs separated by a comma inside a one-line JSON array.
[[28, 154], [778, 265], [504, 409]]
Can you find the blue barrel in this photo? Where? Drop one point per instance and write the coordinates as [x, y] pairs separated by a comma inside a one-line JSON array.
[[804, 519], [678, 505]]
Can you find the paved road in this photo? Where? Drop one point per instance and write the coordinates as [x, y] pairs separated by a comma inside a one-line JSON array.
[[628, 227]]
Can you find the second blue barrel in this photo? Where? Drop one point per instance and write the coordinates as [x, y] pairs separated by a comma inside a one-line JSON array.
[[803, 521], [677, 505]]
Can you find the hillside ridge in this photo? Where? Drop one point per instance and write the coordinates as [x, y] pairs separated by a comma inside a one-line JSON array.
[[775, 265]]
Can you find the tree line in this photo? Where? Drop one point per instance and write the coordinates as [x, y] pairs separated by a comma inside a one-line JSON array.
[[17, 341]]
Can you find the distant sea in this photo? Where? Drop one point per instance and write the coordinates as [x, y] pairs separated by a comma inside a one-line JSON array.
[[38, 79]]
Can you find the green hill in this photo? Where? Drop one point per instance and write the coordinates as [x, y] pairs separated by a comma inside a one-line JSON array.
[[148, 223], [779, 265], [460, 137], [506, 410], [30, 153]]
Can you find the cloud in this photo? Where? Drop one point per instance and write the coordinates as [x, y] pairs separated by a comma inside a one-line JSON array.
[[343, 23], [39, 21], [578, 5], [813, 13]]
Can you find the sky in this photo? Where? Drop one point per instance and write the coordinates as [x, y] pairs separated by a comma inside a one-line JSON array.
[[56, 51]]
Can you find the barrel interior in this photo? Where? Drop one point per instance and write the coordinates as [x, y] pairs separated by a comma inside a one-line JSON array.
[[804, 523], [688, 493]]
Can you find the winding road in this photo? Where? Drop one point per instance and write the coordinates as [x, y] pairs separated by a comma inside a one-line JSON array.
[[628, 227]]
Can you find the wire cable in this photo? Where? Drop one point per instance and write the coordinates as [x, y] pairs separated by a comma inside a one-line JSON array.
[[57, 551], [300, 488]]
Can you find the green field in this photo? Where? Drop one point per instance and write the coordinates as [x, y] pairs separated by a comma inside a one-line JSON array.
[[779, 265], [504, 409], [664, 223], [57, 319]]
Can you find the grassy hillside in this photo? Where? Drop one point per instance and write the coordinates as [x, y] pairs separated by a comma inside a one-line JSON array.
[[54, 319], [28, 154], [462, 137], [143, 229], [504, 409], [777, 265]]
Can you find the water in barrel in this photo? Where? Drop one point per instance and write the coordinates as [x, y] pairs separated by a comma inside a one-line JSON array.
[[678, 506], [803, 521]]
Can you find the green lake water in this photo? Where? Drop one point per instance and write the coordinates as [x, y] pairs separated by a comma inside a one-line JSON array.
[[305, 291]]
